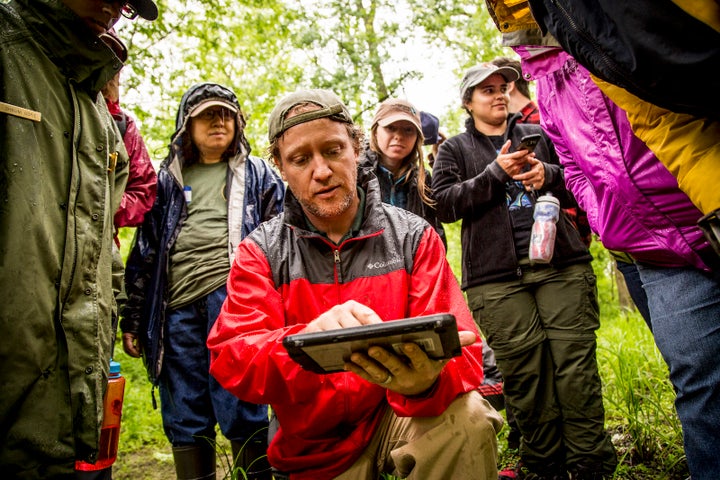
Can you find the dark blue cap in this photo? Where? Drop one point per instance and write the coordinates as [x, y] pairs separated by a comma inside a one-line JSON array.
[[430, 127]]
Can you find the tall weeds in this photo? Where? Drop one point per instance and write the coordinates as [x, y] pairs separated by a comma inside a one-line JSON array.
[[638, 395], [639, 399]]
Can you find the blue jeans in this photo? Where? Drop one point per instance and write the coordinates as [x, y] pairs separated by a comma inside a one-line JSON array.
[[685, 310], [192, 401]]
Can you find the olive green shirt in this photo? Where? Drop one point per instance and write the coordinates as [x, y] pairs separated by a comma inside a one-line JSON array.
[[199, 260]]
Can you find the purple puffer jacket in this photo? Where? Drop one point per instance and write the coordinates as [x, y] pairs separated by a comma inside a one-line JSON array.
[[633, 202]]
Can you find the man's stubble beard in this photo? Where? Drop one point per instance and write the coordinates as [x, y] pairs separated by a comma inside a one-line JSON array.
[[329, 212]]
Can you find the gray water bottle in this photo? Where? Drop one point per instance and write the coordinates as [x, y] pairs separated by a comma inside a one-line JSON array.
[[542, 238]]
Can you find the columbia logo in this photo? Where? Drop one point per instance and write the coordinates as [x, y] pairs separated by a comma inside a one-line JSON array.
[[393, 261]]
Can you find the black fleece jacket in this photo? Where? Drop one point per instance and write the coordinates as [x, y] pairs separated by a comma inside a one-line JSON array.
[[469, 184]]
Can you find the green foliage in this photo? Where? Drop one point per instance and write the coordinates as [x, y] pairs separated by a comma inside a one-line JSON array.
[[603, 265], [639, 397], [365, 50], [243, 45], [229, 464], [126, 236], [141, 425], [454, 250], [463, 29]]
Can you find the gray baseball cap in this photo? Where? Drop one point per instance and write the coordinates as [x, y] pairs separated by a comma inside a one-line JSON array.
[[477, 74], [330, 107]]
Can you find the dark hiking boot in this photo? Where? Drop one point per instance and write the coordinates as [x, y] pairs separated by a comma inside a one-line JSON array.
[[589, 472]]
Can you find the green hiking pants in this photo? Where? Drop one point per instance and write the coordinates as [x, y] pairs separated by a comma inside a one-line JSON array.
[[542, 329]]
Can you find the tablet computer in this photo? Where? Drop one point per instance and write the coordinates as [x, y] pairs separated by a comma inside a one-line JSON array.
[[327, 351]]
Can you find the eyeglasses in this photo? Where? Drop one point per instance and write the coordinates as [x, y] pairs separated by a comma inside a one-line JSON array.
[[129, 12], [210, 114]]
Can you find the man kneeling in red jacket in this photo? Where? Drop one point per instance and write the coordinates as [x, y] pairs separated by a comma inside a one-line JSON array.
[[338, 257]]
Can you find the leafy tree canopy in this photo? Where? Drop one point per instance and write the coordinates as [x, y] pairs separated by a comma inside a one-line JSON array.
[[364, 50]]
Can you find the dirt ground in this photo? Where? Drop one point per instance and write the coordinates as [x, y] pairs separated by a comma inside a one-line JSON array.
[[141, 465], [153, 464]]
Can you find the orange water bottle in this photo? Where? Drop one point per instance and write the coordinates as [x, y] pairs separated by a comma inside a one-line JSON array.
[[112, 412]]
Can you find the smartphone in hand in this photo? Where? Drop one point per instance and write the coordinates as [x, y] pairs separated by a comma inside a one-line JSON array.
[[528, 142]]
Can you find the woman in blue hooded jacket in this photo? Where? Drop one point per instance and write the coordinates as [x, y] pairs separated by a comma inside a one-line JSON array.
[[211, 194]]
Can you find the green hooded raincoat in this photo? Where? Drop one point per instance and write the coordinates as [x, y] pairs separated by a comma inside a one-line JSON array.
[[63, 168]]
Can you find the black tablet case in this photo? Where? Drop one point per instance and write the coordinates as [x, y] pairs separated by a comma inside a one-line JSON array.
[[327, 351]]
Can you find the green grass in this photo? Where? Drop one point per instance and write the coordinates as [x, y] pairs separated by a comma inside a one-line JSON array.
[[637, 393]]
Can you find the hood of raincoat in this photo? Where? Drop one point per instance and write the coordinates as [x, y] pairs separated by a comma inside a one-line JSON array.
[[181, 144]]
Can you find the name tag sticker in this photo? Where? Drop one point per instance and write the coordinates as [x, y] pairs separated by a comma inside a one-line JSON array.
[[20, 112]]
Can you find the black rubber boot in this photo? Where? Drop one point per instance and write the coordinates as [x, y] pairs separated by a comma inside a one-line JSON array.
[[194, 462], [251, 457]]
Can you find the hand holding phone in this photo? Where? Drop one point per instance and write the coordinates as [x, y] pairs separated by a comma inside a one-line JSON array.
[[528, 142]]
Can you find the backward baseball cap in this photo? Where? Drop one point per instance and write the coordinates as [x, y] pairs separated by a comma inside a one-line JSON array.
[[330, 107]]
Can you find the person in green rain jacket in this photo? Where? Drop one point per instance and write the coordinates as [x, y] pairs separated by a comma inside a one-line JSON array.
[[63, 168]]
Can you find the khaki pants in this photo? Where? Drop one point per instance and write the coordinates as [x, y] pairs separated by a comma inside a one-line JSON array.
[[460, 444]]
